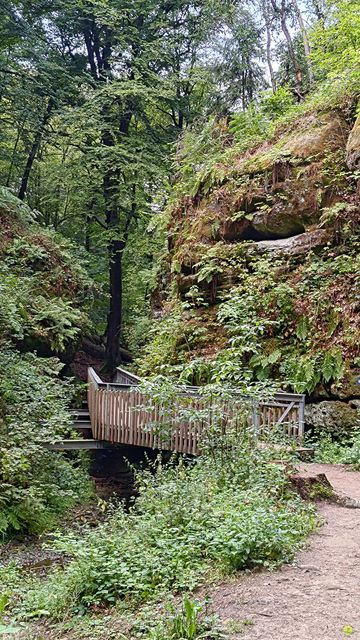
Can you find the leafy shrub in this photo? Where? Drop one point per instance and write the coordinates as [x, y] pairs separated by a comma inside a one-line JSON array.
[[336, 47], [258, 121], [186, 624], [189, 519], [17, 208], [332, 451], [35, 484]]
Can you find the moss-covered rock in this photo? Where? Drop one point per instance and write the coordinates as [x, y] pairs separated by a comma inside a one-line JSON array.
[[353, 146], [268, 247], [335, 417], [296, 245]]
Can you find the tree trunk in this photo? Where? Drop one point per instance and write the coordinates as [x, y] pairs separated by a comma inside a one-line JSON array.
[[268, 57], [306, 42], [116, 249], [113, 333], [281, 13], [13, 155], [99, 58], [34, 149]]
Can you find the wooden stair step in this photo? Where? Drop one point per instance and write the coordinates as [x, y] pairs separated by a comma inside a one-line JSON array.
[[78, 426], [80, 414], [74, 445]]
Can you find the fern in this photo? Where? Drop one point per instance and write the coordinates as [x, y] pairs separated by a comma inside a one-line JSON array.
[[332, 367], [302, 328]]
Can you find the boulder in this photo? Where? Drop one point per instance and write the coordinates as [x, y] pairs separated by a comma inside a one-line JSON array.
[[274, 224], [335, 417], [315, 135], [355, 404], [353, 147], [349, 387]]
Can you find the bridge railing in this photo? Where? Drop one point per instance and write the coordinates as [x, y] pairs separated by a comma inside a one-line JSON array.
[[122, 413]]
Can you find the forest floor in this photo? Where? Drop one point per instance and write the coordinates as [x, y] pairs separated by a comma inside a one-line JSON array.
[[315, 598]]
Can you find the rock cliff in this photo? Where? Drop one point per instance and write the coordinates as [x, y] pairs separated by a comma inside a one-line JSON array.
[[264, 264]]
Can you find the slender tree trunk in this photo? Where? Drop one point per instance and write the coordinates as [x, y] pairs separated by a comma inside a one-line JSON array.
[[306, 42], [87, 242], [99, 57], [20, 129], [268, 57], [116, 249], [281, 12], [113, 334], [34, 149]]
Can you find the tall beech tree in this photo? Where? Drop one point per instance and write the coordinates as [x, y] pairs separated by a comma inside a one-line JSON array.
[[139, 55]]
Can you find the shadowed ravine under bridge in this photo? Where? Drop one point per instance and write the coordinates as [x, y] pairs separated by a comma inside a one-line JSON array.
[[122, 413]]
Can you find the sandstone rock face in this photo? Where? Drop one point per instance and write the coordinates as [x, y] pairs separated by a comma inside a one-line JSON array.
[[306, 139], [318, 133], [276, 191], [335, 417], [295, 245], [353, 147], [275, 223]]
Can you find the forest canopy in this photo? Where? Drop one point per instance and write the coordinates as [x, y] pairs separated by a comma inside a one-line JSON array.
[[94, 96]]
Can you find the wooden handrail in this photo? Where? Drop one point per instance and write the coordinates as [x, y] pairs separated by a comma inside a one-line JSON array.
[[122, 413]]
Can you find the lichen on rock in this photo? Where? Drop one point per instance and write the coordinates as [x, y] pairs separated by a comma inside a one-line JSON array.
[[334, 417]]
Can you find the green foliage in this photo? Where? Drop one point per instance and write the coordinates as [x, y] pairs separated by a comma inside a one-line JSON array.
[[40, 276], [251, 126], [164, 338], [332, 451], [277, 104], [188, 519], [332, 367], [336, 41], [43, 284], [201, 147], [19, 210], [258, 122], [186, 624], [35, 484], [270, 327]]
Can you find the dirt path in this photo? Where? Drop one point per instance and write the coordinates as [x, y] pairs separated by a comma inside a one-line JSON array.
[[316, 597]]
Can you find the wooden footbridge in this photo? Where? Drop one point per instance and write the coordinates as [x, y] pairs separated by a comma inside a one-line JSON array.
[[122, 413]]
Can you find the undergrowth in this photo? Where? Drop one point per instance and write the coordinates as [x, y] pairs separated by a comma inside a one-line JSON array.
[[36, 485], [192, 521], [333, 451], [42, 285]]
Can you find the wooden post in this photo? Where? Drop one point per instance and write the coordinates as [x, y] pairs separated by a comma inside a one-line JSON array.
[[301, 419], [256, 418]]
